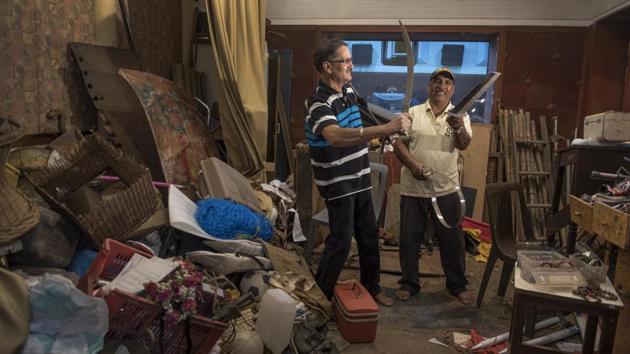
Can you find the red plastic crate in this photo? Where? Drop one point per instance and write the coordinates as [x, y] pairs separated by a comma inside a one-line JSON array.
[[111, 259], [133, 317], [486, 234]]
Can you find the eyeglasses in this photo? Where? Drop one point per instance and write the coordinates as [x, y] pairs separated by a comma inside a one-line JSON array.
[[346, 61]]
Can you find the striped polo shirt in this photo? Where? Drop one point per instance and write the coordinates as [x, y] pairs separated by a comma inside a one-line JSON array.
[[338, 171]]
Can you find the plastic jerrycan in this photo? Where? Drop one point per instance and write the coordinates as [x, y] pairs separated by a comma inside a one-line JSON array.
[[275, 319]]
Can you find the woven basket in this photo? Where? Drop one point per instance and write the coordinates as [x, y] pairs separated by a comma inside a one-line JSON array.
[[115, 217], [17, 213]]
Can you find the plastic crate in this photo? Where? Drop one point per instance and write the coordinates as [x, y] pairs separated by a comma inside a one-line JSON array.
[[110, 260], [486, 234], [132, 317], [135, 318]]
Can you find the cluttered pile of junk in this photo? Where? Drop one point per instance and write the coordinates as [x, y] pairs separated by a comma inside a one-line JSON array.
[[151, 244]]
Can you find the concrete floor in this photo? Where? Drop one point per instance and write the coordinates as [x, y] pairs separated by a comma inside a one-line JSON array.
[[407, 326]]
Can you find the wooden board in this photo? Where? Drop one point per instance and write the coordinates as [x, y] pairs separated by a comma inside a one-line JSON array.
[[476, 164], [392, 211]]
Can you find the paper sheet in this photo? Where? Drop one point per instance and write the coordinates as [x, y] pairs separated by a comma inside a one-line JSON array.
[[140, 272], [181, 214]]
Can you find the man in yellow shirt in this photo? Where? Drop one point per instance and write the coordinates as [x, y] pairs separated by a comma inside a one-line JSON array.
[[429, 159]]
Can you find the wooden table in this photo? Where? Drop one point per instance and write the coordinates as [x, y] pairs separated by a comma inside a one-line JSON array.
[[528, 296]]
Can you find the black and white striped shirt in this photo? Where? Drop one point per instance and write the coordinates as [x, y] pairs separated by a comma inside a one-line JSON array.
[[338, 171]]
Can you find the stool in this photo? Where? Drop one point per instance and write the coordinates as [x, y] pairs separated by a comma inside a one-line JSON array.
[[528, 296]]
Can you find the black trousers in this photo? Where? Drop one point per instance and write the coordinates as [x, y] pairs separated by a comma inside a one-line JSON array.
[[351, 215], [414, 216]]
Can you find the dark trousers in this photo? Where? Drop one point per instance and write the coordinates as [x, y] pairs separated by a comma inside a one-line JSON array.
[[414, 217], [351, 215]]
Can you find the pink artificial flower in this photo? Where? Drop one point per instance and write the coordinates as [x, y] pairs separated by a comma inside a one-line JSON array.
[[189, 305]]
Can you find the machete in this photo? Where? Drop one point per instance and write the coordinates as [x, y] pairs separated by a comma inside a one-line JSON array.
[[464, 105]]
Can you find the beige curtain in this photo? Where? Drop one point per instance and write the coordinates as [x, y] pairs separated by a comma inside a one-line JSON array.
[[237, 34]]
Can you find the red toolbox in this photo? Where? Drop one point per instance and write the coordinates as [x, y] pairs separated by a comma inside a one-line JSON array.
[[356, 313]]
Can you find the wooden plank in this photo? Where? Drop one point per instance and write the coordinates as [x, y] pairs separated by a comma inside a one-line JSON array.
[[612, 225], [476, 164]]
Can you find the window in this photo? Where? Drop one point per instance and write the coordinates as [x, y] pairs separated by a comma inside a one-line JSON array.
[[395, 53], [381, 73]]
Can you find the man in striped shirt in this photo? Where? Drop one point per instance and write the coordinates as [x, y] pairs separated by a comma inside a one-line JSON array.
[[339, 158]]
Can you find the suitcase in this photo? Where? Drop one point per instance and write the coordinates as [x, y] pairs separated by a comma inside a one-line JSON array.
[[356, 313], [608, 126]]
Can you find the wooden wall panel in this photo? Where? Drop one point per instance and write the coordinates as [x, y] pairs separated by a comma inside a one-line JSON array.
[[606, 57], [156, 27], [542, 73], [37, 75]]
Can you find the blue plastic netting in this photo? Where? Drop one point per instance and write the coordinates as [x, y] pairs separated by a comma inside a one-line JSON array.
[[228, 220]]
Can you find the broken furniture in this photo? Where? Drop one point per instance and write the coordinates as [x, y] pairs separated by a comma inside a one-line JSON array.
[[599, 219], [584, 160], [116, 216], [120, 113], [379, 181], [528, 296], [500, 197]]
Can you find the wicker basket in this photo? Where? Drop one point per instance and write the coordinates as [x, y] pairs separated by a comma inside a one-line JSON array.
[[17, 213], [115, 217]]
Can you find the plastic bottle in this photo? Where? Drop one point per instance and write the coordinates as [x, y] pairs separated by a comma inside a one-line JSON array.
[[275, 319]]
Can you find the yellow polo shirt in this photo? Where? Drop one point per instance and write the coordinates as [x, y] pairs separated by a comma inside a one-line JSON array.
[[432, 143]]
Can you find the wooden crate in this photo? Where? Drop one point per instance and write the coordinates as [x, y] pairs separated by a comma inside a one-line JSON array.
[[581, 213], [612, 225]]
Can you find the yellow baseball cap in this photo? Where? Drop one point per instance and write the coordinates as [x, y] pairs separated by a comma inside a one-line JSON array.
[[444, 71]]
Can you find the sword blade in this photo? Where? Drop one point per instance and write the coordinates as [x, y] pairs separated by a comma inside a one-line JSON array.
[[464, 105]]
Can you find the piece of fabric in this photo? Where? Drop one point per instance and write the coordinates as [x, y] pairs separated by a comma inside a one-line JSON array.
[[338, 171], [432, 143], [228, 263], [15, 312], [287, 262], [414, 219], [352, 215], [237, 33], [182, 138]]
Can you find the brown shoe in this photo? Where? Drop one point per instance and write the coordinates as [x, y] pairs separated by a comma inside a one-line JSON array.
[[383, 299]]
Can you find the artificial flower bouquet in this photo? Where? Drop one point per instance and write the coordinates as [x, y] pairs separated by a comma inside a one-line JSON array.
[[180, 293]]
